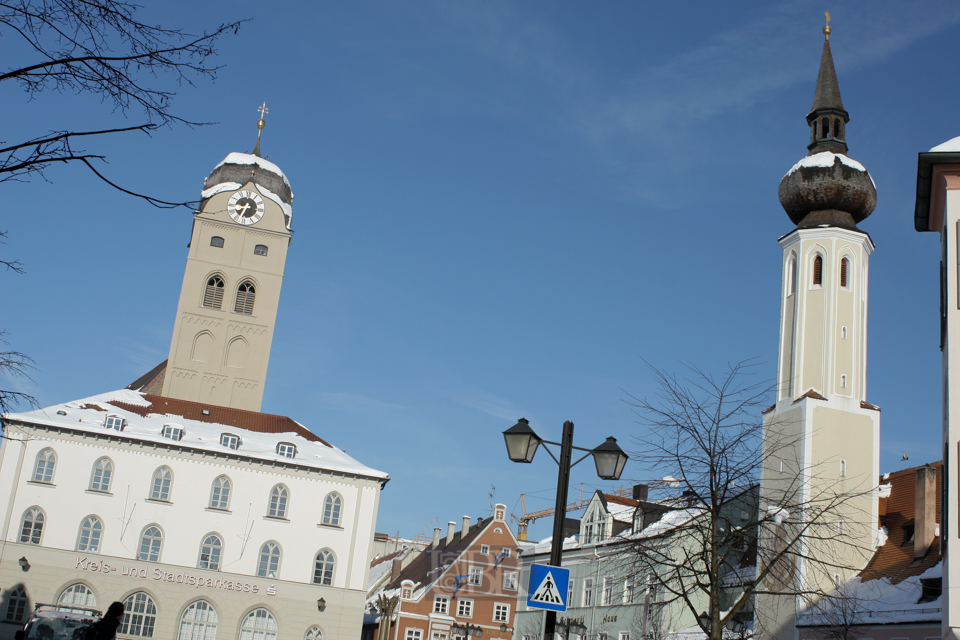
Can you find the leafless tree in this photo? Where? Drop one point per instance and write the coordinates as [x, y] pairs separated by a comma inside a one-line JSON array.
[[724, 542], [13, 364], [840, 615], [99, 48]]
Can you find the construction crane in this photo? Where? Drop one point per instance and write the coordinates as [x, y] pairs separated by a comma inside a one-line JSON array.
[[523, 521]]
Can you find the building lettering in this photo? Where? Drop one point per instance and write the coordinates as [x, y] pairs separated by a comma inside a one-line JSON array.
[[181, 577]]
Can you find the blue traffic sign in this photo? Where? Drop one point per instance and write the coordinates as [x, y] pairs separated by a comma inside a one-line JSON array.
[[548, 587]]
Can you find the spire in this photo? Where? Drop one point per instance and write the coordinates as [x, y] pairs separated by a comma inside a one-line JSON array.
[[827, 117], [261, 123]]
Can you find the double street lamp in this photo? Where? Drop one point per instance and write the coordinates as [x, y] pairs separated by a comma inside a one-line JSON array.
[[522, 444]]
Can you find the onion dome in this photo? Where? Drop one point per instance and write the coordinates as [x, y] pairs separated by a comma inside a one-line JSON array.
[[827, 188]]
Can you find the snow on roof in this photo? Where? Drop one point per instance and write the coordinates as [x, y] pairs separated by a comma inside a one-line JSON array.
[[621, 512], [249, 158], [234, 186], [948, 146], [825, 159], [89, 414]]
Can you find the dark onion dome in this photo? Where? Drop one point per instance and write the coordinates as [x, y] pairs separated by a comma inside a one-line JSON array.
[[827, 188], [237, 169]]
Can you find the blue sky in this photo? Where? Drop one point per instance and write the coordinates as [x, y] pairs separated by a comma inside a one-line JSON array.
[[501, 209]]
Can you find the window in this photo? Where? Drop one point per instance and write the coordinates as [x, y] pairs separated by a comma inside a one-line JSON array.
[[844, 269], [331, 510], [46, 462], [624, 635], [843, 381], [115, 422], [210, 552], [287, 450], [220, 493], [406, 593], [932, 588], [162, 479], [172, 431], [102, 471], [414, 634], [485, 549], [628, 589], [570, 594], [150, 544], [587, 600], [213, 293], [476, 576], [840, 527], [260, 250], [259, 625], [465, 608], [843, 468], [908, 531], [510, 580], [140, 616], [16, 605], [607, 595], [245, 295], [91, 530], [230, 441], [323, 567], [278, 502], [818, 271], [313, 633], [32, 528], [269, 560], [440, 604], [843, 332], [78, 594], [199, 621], [792, 274], [501, 612], [216, 241]]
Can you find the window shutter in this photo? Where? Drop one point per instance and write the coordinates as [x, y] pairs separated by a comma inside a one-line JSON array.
[[245, 298], [213, 294], [818, 270], [843, 272]]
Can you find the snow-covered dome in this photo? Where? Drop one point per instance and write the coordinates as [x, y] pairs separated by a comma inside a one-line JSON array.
[[237, 169], [828, 189]]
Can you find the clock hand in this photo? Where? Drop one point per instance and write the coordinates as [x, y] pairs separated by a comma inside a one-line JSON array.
[[242, 209]]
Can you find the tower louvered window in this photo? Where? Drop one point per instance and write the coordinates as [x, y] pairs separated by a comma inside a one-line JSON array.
[[818, 270], [213, 294], [245, 296], [844, 267]]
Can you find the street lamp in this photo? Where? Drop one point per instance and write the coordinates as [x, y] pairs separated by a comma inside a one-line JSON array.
[[522, 445]]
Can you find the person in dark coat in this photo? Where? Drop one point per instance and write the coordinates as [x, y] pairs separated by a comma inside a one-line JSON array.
[[107, 628]]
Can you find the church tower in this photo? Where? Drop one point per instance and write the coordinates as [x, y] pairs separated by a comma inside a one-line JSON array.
[[231, 286], [822, 438]]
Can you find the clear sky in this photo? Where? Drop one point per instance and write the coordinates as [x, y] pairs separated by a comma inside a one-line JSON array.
[[501, 209]]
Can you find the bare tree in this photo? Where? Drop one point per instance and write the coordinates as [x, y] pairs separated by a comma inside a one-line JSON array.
[[840, 615], [13, 364], [725, 542], [98, 47]]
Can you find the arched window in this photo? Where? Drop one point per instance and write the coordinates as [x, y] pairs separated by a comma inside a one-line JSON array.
[[198, 622], [46, 462], [162, 479], [844, 272], [245, 295], [150, 544], [269, 560], [102, 473], [278, 502], [213, 293], [216, 241], [838, 128], [91, 530], [16, 605], [323, 567], [259, 625], [313, 633], [792, 274], [825, 127], [818, 270], [260, 250], [32, 529], [140, 616], [331, 509], [220, 494], [210, 552], [78, 594]]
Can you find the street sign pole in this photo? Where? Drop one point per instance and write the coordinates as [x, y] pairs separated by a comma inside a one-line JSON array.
[[559, 515]]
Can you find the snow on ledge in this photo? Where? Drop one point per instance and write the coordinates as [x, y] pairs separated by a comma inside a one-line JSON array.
[[948, 146], [825, 159], [218, 188]]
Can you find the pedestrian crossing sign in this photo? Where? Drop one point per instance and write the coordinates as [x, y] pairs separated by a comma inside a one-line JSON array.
[[548, 587]]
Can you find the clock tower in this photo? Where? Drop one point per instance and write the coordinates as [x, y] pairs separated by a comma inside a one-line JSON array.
[[231, 286]]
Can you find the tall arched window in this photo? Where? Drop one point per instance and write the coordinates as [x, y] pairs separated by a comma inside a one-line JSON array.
[[313, 633], [150, 543], [213, 293], [198, 622], [331, 509], [91, 530], [210, 552], [269, 565], [78, 594], [844, 272], [102, 472], [32, 529], [323, 567], [140, 616], [245, 296], [259, 625], [220, 493], [162, 480], [818, 270], [278, 502], [16, 605], [46, 463]]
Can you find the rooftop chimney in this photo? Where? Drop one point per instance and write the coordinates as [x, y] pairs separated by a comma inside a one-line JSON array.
[[640, 492], [395, 569], [436, 537], [451, 527], [924, 511], [466, 526]]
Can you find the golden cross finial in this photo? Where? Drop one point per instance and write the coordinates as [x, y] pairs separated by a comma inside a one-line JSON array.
[[263, 111], [826, 29]]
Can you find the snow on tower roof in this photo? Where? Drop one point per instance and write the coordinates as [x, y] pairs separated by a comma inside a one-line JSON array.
[[202, 425], [249, 158], [952, 145]]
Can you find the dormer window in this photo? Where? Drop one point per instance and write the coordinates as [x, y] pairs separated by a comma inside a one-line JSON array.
[[172, 431], [287, 450], [230, 441], [216, 241], [115, 422], [908, 531], [260, 250]]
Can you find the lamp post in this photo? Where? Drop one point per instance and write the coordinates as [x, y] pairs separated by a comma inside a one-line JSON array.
[[522, 444]]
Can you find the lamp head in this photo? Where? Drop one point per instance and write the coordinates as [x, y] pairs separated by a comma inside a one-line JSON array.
[[521, 441], [321, 605], [610, 459]]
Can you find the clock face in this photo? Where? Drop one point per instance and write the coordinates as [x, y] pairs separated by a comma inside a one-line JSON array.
[[245, 207]]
